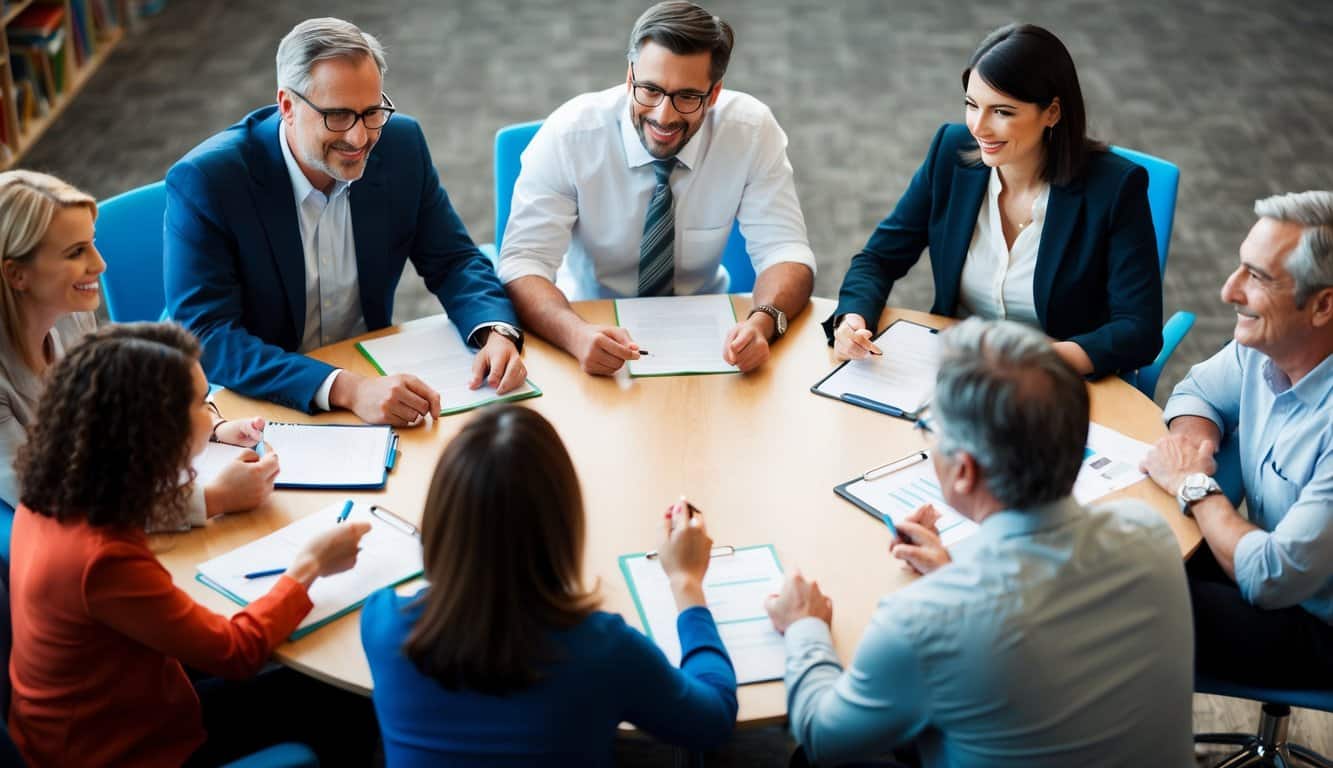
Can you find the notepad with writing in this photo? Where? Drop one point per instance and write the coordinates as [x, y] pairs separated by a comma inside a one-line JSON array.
[[331, 455], [432, 350], [389, 554], [898, 383], [682, 335], [735, 588]]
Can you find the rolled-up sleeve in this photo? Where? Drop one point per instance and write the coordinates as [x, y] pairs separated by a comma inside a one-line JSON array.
[[1294, 561], [1212, 390], [880, 702], [770, 215], [542, 212]]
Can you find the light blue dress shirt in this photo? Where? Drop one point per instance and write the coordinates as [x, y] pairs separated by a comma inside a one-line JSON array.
[[1060, 636], [1284, 435]]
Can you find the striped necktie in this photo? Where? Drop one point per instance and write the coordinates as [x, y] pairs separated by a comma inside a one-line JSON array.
[[657, 270]]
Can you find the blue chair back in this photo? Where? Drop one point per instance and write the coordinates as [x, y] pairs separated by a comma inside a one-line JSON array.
[[511, 140], [1163, 184], [6, 527], [129, 236]]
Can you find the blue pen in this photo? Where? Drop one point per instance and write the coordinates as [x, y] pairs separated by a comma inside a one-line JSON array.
[[347, 510], [263, 574], [873, 405]]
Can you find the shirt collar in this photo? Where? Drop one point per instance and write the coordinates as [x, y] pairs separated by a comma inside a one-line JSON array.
[[1008, 523], [301, 185], [1313, 389], [635, 153]]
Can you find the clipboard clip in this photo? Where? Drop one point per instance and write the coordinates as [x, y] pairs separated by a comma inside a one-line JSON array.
[[915, 457], [725, 550], [394, 521]]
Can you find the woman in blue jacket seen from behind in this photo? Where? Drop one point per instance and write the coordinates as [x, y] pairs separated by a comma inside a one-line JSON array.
[[504, 660], [1025, 216]]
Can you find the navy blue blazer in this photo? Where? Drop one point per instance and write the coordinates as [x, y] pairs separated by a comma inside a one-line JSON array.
[[235, 269], [1096, 282]]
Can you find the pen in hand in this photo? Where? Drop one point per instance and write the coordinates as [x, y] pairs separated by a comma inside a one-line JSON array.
[[347, 510]]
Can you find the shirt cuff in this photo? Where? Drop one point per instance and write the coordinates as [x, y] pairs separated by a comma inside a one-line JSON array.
[[1191, 405], [1248, 562], [197, 506], [795, 254], [514, 266], [807, 631], [322, 394]]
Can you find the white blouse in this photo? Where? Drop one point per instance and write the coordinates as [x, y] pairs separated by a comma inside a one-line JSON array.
[[997, 281]]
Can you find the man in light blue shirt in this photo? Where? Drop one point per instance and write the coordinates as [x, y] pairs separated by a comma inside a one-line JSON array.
[[1059, 636], [1262, 589]]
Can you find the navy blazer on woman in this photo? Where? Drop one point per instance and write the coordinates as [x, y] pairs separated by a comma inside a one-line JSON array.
[[1097, 280], [235, 268]]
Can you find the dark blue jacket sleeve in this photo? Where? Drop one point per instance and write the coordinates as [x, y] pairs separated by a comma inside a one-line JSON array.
[[201, 267], [454, 269], [1131, 337], [893, 248], [692, 707]]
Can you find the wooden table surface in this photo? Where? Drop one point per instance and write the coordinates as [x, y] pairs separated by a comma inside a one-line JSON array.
[[758, 453]]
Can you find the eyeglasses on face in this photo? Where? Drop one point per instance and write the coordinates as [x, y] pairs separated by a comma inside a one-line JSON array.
[[342, 120], [684, 102]]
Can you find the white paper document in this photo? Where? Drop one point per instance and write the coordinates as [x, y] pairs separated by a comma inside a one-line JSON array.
[[432, 350], [900, 492], [901, 379], [1110, 463], [330, 455], [683, 334], [735, 588], [215, 457], [390, 553]]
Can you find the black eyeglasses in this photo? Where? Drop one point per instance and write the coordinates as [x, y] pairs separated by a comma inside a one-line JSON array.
[[684, 102], [342, 120]]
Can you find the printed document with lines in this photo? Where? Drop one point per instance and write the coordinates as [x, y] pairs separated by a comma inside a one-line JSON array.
[[903, 377], [898, 494], [386, 557], [1110, 463], [683, 334], [432, 350], [735, 588]]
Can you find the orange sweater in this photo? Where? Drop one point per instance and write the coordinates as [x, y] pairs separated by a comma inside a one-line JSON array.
[[100, 634]]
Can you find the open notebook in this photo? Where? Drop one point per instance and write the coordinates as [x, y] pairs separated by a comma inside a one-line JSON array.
[[390, 554]]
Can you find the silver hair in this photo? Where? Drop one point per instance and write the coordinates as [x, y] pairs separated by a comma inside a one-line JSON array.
[[316, 40], [685, 28], [1004, 396], [1311, 261]]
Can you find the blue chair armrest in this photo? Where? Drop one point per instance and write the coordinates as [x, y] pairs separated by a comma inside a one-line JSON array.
[[1173, 332], [288, 755]]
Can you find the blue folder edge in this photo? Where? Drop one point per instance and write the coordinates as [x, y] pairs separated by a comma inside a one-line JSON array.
[[301, 632], [643, 616]]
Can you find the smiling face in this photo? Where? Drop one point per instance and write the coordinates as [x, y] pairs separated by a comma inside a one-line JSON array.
[[1264, 294], [62, 275], [1008, 131], [663, 130], [325, 156]]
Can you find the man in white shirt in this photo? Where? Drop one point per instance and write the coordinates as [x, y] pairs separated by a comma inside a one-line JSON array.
[[633, 191]]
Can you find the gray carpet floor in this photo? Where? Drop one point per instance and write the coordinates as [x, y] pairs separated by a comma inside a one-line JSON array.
[[1236, 93]]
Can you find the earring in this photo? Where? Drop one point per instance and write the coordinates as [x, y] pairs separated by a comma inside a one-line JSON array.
[[1046, 135]]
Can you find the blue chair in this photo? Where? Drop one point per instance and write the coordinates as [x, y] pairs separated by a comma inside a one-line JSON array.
[[1163, 184], [511, 140], [129, 236], [1268, 745], [6, 527]]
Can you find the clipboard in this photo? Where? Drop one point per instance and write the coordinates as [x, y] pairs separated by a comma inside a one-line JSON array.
[[311, 467], [850, 375], [898, 488]]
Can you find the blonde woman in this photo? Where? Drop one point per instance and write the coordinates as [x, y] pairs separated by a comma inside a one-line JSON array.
[[49, 289]]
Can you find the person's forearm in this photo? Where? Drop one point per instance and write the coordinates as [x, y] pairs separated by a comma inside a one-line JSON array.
[[1222, 527], [688, 593], [786, 285], [543, 309], [1075, 356], [1197, 429]]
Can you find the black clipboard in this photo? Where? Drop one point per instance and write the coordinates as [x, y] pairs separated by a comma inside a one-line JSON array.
[[860, 401]]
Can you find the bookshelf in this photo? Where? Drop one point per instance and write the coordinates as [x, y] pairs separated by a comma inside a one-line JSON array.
[[41, 72]]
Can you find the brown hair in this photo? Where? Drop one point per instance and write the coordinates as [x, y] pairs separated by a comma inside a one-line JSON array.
[[112, 435], [28, 202], [502, 534], [684, 28]]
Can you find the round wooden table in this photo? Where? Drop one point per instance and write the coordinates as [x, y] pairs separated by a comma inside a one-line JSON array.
[[758, 453]]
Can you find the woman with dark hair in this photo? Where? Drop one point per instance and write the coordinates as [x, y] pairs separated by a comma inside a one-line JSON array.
[[100, 630], [1025, 216], [504, 660]]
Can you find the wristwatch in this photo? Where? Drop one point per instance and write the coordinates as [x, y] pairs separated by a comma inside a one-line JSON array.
[[506, 330], [779, 318], [1196, 487]]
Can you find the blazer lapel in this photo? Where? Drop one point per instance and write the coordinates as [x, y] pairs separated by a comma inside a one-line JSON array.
[[370, 233], [965, 199], [277, 211], [1063, 210]]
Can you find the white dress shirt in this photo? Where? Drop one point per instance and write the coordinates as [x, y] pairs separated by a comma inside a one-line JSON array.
[[997, 280], [581, 198]]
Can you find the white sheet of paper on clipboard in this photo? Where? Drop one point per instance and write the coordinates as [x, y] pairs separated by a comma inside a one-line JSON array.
[[898, 488], [898, 383]]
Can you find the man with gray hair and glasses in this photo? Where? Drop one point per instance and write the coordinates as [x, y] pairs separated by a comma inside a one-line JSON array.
[[1262, 588], [285, 233], [633, 191], [1055, 635]]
